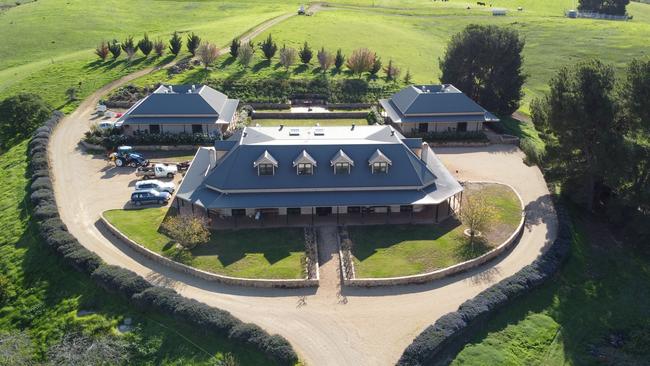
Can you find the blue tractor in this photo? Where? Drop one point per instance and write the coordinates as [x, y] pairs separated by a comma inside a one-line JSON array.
[[125, 156]]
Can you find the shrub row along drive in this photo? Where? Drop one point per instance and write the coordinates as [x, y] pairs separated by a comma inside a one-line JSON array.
[[126, 283], [453, 330]]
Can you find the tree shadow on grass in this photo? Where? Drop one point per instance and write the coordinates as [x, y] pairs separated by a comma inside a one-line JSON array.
[[301, 69], [196, 76], [227, 62], [368, 239], [260, 65], [467, 250]]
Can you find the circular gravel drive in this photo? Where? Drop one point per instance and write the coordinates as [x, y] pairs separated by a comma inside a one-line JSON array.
[[328, 326]]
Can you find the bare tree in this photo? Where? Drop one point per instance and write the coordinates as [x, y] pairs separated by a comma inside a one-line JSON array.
[[79, 349], [361, 61], [325, 59], [159, 47], [476, 214], [245, 54], [207, 53], [287, 57], [102, 50], [392, 72], [187, 231]]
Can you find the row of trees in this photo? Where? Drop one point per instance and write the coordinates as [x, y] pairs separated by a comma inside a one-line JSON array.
[[361, 60], [596, 127], [613, 7], [147, 46]]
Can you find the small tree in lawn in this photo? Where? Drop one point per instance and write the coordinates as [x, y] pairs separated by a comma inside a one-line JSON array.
[[305, 54], [207, 53], [71, 93], [115, 48], [269, 48], [193, 43], [476, 215], [339, 60], [159, 48], [145, 45], [408, 77], [376, 67], [392, 72], [175, 44], [325, 59], [129, 47], [245, 54], [361, 61], [187, 231], [102, 50], [287, 57], [234, 47]]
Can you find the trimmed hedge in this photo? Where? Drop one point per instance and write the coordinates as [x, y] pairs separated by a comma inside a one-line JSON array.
[[452, 330], [119, 280]]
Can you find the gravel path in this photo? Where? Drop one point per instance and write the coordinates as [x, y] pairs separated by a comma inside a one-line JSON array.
[[351, 327]]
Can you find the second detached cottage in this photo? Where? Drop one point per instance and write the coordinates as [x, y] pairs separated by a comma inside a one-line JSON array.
[[281, 176]]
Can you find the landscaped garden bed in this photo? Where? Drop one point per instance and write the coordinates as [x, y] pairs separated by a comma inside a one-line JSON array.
[[403, 250], [251, 253]]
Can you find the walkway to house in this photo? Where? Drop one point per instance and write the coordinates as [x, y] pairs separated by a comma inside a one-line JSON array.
[[329, 263]]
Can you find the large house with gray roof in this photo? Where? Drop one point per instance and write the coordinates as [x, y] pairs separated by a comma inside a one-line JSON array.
[[421, 109], [180, 108], [279, 176]]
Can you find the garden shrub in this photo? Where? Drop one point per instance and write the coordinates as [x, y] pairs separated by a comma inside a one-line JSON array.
[[40, 173], [51, 226], [112, 141], [41, 183], [374, 117], [454, 328], [42, 195], [82, 259], [534, 154], [41, 141], [119, 280], [46, 210], [37, 149], [59, 238], [474, 136]]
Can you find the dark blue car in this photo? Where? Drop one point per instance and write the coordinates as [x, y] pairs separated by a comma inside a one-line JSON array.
[[149, 196]]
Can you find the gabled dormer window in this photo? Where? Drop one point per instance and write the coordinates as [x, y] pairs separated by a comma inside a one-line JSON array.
[[304, 164], [379, 162], [265, 164], [342, 163]]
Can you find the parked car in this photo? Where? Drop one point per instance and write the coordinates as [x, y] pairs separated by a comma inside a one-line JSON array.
[[106, 125], [125, 156], [158, 185], [150, 196], [157, 171]]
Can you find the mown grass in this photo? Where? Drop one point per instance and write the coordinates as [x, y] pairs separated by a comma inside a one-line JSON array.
[[251, 253], [401, 250], [602, 291], [308, 122], [44, 294]]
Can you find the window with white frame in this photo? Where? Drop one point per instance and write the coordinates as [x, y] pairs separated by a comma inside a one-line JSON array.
[[305, 169], [265, 169], [342, 168], [380, 167]]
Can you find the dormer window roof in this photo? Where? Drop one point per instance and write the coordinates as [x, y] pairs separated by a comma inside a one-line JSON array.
[[304, 158], [266, 158], [379, 157], [341, 157]]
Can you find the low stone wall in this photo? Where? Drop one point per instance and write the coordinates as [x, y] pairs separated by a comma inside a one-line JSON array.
[[452, 270], [324, 115], [236, 281]]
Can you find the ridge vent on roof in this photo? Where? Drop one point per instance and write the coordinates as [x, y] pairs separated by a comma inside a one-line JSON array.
[[294, 132]]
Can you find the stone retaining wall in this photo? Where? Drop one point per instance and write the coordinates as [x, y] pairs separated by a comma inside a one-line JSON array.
[[236, 281], [452, 270]]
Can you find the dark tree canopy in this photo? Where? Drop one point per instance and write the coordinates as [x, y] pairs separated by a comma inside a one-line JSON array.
[[20, 115], [485, 62], [175, 44], [268, 48], [305, 54], [193, 43], [613, 7], [234, 47]]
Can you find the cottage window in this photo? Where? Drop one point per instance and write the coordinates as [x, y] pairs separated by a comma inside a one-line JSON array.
[[305, 169], [342, 168], [379, 167], [265, 169]]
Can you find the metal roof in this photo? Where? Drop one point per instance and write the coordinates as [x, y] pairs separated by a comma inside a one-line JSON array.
[[304, 158], [341, 157]]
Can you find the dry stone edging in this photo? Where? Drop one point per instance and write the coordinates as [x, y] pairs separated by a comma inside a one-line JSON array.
[[208, 276], [508, 244]]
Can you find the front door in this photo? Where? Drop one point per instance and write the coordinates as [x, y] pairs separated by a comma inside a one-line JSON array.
[[423, 127], [462, 127]]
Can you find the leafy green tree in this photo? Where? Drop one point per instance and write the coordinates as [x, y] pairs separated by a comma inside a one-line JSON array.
[[115, 48], [129, 47], [20, 115], [613, 7], [476, 214], [193, 43], [234, 47], [268, 48], [287, 57], [145, 45], [175, 44], [305, 54], [245, 54], [102, 51], [339, 60], [408, 77], [71, 93], [187, 231], [485, 62], [579, 116]]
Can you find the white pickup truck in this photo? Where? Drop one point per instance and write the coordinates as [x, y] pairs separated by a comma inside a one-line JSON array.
[[157, 171]]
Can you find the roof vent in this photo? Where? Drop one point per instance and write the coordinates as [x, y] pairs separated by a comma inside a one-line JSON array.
[[281, 127], [319, 131], [193, 87], [294, 132], [353, 127], [171, 89]]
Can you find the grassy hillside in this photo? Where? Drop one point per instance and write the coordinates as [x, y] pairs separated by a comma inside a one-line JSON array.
[[599, 298], [43, 296]]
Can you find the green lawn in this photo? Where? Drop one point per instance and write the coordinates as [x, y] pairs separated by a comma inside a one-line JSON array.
[[250, 253], [43, 295], [603, 289], [308, 122], [401, 250]]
